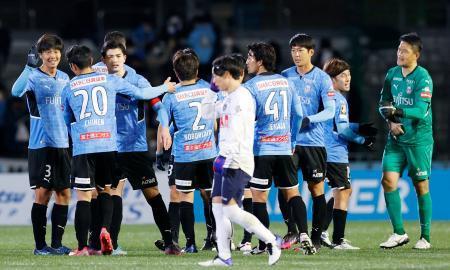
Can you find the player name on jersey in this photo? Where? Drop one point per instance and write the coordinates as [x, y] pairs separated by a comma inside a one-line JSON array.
[[269, 84]]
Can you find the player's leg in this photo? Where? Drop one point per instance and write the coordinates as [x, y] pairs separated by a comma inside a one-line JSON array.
[[419, 168], [234, 181], [259, 198], [184, 180], [287, 182], [292, 233], [394, 162], [117, 214], [96, 226], [247, 205], [61, 185], [209, 219], [174, 205]]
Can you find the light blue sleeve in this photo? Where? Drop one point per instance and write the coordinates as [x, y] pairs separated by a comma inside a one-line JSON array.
[[354, 126], [163, 116], [145, 93], [296, 115], [19, 86], [326, 114], [345, 131]]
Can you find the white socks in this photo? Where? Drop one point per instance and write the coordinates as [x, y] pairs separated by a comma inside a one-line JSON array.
[[223, 231], [248, 221]]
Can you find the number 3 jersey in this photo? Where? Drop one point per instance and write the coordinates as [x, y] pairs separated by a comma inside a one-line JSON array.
[[194, 136], [47, 126], [274, 96], [89, 105]]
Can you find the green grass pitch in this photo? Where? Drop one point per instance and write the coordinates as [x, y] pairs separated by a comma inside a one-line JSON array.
[[16, 247]]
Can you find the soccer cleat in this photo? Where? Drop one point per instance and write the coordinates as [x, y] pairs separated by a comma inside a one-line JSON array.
[[94, 252], [274, 250], [422, 244], [62, 250], [82, 252], [247, 246], [306, 245], [172, 249], [160, 244], [208, 244], [254, 251], [105, 242], [325, 239], [190, 249], [217, 261], [289, 240], [45, 251], [119, 252], [345, 244], [395, 240]]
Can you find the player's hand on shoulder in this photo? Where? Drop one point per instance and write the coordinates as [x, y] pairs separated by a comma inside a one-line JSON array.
[[170, 85], [33, 59]]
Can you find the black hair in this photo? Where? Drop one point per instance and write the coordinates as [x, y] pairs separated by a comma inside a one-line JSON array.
[[335, 66], [233, 63], [49, 41], [79, 55], [302, 40], [112, 44], [117, 36], [412, 39], [264, 52], [185, 64]]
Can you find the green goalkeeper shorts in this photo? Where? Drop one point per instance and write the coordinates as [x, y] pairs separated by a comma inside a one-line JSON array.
[[417, 159]]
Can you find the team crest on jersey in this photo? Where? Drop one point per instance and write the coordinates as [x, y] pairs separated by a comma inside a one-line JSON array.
[[343, 110], [408, 90]]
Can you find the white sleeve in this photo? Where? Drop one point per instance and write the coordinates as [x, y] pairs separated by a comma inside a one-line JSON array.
[[211, 107]]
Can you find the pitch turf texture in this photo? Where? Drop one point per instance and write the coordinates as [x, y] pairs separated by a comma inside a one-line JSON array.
[[16, 247]]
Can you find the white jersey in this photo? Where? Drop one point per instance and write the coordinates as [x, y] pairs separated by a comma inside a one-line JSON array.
[[237, 127]]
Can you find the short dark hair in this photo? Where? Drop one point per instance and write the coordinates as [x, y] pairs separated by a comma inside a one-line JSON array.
[[79, 55], [112, 44], [412, 39], [185, 64], [117, 36], [233, 63], [302, 40], [264, 52], [335, 66], [49, 41]]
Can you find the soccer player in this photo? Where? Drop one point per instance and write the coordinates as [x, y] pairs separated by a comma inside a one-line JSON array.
[[233, 168], [406, 105], [89, 102], [338, 132], [315, 90], [48, 155], [194, 145], [276, 99], [133, 160]]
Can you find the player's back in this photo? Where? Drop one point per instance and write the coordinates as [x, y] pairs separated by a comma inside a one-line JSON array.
[[273, 94], [194, 136], [47, 126], [92, 98], [337, 147]]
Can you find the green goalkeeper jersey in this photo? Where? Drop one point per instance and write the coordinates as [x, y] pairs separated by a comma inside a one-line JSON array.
[[413, 95]]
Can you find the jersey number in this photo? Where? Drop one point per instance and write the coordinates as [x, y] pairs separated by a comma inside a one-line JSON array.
[[270, 108], [103, 98], [196, 125]]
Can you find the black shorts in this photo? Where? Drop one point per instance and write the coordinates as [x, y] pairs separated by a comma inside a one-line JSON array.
[[49, 168], [137, 167], [170, 173], [95, 170], [194, 175], [282, 169], [313, 162], [338, 175]]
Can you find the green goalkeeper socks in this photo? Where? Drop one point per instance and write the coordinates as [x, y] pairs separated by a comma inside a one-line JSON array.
[[394, 207], [425, 215]]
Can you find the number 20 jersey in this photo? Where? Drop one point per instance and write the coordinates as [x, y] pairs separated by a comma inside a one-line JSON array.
[[194, 136], [274, 95]]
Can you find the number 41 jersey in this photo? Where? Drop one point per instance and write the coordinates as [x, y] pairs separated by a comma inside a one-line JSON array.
[[194, 136]]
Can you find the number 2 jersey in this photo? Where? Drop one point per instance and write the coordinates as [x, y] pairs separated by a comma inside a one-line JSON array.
[[275, 98], [89, 105], [43, 93], [194, 136]]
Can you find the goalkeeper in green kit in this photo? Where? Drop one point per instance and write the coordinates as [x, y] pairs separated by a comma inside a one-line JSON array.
[[405, 104]]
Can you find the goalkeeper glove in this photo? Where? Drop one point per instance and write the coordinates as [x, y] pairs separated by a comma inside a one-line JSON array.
[[389, 112], [33, 57]]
